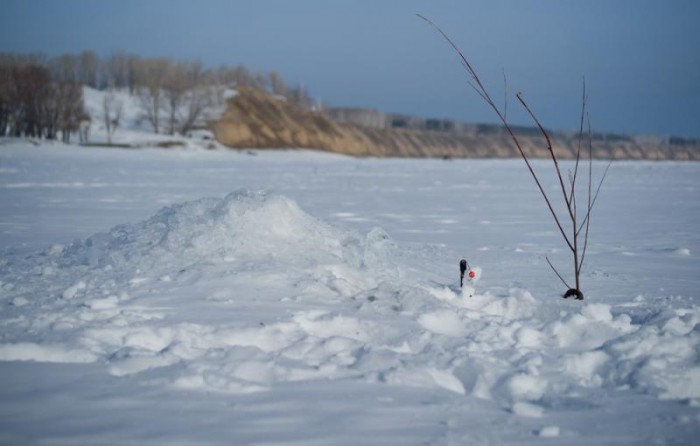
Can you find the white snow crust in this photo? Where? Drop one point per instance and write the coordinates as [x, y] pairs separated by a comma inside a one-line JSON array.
[[245, 319]]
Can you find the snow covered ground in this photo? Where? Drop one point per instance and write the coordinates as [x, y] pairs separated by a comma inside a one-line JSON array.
[[218, 297], [134, 128]]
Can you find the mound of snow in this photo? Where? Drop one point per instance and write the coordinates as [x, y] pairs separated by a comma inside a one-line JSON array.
[[241, 293], [244, 226]]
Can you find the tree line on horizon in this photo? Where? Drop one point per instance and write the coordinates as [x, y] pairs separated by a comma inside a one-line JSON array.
[[42, 97]]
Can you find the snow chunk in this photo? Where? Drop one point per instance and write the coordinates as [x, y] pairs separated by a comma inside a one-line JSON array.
[[427, 377], [597, 312], [107, 303], [660, 357], [255, 372], [29, 351], [527, 387], [138, 362], [268, 339], [585, 366], [529, 410], [19, 302], [444, 322], [549, 432], [518, 304], [72, 291], [591, 328], [528, 337], [327, 326], [447, 380]]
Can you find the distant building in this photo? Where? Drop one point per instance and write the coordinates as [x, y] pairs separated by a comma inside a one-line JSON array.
[[406, 122], [364, 117], [441, 125]]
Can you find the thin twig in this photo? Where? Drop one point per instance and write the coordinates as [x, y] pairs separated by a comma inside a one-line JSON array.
[[556, 166], [557, 273], [587, 218], [539, 185], [569, 196], [595, 196], [591, 203], [549, 148], [465, 62], [572, 197], [481, 90], [477, 91], [505, 96]]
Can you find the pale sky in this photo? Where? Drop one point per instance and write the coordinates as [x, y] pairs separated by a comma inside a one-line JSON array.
[[640, 58]]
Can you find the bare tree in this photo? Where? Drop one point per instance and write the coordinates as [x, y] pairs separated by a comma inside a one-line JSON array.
[[299, 97], [151, 77], [40, 97], [197, 99], [31, 92], [6, 85], [111, 113], [186, 96], [49, 111], [116, 69], [579, 222], [174, 88], [84, 122], [71, 110], [64, 68], [133, 66], [277, 84], [89, 68], [66, 109]]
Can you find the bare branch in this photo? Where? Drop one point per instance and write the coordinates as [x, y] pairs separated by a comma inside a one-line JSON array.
[[572, 197], [595, 197], [505, 96], [587, 218], [477, 91], [550, 149], [591, 203], [465, 62], [569, 195], [557, 273], [556, 164], [479, 88]]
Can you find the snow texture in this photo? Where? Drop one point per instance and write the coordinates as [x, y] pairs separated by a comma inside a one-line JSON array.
[[243, 310]]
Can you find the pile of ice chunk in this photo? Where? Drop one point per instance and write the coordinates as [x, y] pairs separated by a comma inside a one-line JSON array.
[[242, 293]]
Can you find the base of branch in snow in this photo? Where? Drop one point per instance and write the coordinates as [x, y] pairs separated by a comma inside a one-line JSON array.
[[573, 292]]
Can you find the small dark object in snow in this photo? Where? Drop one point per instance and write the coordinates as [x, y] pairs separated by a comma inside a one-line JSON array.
[[462, 269], [371, 298], [572, 292]]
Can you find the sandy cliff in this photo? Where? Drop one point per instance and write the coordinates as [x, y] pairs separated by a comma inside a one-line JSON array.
[[255, 119]]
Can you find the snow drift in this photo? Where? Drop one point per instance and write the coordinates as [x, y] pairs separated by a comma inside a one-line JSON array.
[[246, 226], [242, 293]]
